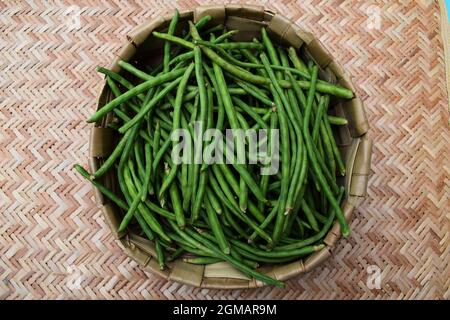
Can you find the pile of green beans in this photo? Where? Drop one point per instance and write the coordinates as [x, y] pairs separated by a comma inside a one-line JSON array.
[[207, 213]]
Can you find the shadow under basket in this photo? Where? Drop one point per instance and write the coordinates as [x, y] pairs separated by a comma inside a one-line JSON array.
[[355, 146]]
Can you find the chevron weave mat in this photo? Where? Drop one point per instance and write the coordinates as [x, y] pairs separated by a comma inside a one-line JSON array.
[[54, 242]]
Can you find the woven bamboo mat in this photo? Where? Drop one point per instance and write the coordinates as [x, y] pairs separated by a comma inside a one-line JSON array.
[[54, 242]]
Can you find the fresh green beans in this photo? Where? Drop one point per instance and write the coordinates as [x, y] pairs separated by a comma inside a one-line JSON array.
[[267, 196], [337, 121], [171, 30], [313, 158], [102, 189], [135, 91]]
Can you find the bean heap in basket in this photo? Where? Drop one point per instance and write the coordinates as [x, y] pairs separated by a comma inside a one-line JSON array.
[[275, 206]]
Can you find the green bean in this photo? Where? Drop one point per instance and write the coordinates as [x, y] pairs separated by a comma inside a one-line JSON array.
[[216, 228], [194, 251], [176, 125], [232, 118], [232, 91], [300, 98], [135, 91], [112, 157], [323, 107], [278, 253], [200, 193], [318, 236], [177, 206], [203, 21], [169, 247], [243, 190], [189, 196], [219, 27], [138, 156], [322, 86], [234, 207], [299, 118], [241, 266], [150, 105], [250, 65], [221, 110], [260, 111], [240, 45], [177, 253], [108, 193], [174, 39], [116, 92], [202, 260], [226, 55], [247, 109], [313, 159], [253, 59], [336, 152], [185, 167], [337, 121], [170, 175], [200, 178], [121, 179], [227, 177], [156, 139], [293, 70], [135, 71], [166, 121], [298, 170], [271, 141], [148, 205], [130, 213], [233, 224], [266, 117], [298, 64], [224, 187], [117, 77], [171, 30], [271, 52], [274, 186], [251, 256], [190, 95], [319, 217], [309, 216], [181, 58], [234, 253], [225, 36], [265, 223], [146, 214], [279, 100], [328, 149], [214, 201], [159, 254], [160, 154], [255, 92]]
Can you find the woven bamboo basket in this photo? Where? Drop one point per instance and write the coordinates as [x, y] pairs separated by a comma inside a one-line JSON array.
[[355, 146]]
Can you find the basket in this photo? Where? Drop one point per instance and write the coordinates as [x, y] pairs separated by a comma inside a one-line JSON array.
[[352, 140]]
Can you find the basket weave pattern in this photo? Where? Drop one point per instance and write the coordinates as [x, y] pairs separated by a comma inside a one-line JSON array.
[[52, 229]]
